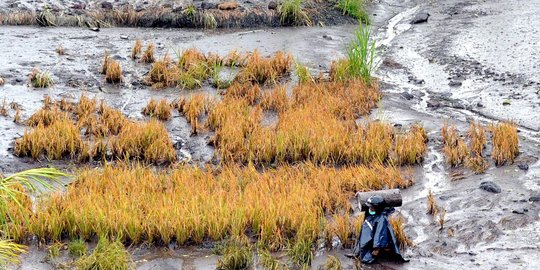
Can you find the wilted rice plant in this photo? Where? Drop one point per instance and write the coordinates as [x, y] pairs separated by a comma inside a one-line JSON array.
[[505, 142]]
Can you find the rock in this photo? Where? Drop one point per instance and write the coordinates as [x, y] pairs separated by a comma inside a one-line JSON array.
[[407, 95], [106, 5], [124, 37], [95, 29], [480, 104], [325, 36], [433, 104], [455, 83], [490, 186], [79, 6], [506, 103], [272, 5], [534, 198], [523, 166], [518, 211], [421, 17], [231, 5], [207, 5]]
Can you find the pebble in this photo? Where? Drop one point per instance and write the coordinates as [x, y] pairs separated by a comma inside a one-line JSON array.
[[490, 186]]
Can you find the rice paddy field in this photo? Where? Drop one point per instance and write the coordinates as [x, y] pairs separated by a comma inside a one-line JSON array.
[[235, 135]]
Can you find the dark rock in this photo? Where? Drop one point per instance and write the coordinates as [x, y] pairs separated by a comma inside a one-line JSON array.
[[480, 104], [534, 198], [325, 36], [106, 5], [523, 166], [506, 103], [79, 6], [407, 95], [518, 211], [207, 5], [433, 104], [490, 186], [455, 83], [272, 5], [421, 17]]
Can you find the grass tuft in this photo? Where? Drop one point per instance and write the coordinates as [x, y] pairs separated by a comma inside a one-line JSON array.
[[505, 142], [114, 72], [137, 49], [148, 55], [159, 109], [292, 13], [77, 248], [41, 79], [355, 9], [332, 263], [106, 255]]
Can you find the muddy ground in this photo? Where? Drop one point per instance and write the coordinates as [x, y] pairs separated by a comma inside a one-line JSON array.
[[469, 59]]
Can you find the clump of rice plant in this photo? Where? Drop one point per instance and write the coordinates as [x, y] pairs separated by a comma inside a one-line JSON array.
[[209, 21], [442, 217], [303, 74], [292, 13], [505, 142], [410, 147], [398, 225], [275, 99], [60, 50], [41, 79], [4, 111], [194, 108], [332, 263], [62, 138], [17, 117], [53, 251], [148, 55], [454, 149], [2, 81], [77, 248], [190, 11], [114, 72], [137, 49], [106, 255], [105, 63], [46, 117], [361, 55], [269, 262], [432, 207], [260, 70], [477, 143], [235, 256], [477, 164], [300, 253], [147, 141], [354, 8], [160, 109]]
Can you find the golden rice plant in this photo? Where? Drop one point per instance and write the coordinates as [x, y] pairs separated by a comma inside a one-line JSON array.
[[477, 138], [137, 49], [477, 164], [146, 141], [432, 207], [261, 70], [454, 147], [332, 263], [505, 142], [46, 117], [194, 108], [17, 117], [191, 204], [148, 55], [105, 64], [159, 109], [398, 225], [410, 148], [275, 99], [248, 91], [59, 140], [164, 73], [114, 72]]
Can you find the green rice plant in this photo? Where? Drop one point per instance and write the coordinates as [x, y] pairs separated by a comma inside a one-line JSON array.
[[269, 262], [77, 248], [41, 79], [361, 55], [300, 253], [217, 82], [292, 13], [332, 263], [354, 8], [53, 251], [236, 256], [9, 252], [303, 74], [107, 256], [190, 12]]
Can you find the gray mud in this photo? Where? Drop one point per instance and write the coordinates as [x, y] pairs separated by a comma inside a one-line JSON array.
[[469, 58]]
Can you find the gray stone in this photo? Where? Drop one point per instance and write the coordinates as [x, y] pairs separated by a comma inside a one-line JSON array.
[[106, 5], [490, 186], [421, 17], [272, 5]]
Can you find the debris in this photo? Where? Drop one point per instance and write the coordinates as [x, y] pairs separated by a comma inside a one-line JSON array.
[[420, 18], [490, 186]]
